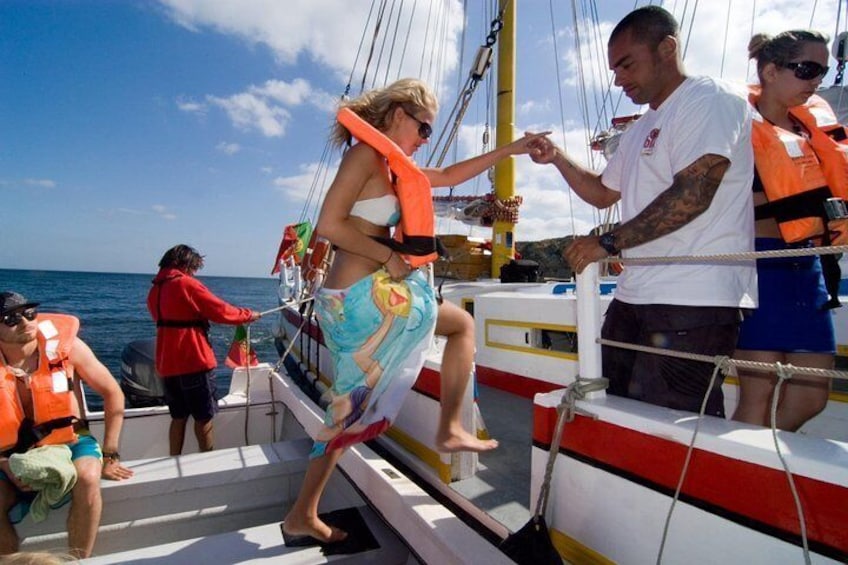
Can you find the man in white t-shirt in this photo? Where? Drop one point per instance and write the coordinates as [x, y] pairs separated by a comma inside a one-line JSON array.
[[683, 173]]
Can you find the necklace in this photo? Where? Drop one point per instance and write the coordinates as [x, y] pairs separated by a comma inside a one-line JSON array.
[[796, 128]]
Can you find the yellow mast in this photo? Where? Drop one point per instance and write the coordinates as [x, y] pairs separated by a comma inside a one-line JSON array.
[[503, 244]]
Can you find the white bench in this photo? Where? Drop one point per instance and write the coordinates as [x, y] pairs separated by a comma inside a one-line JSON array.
[[178, 498]]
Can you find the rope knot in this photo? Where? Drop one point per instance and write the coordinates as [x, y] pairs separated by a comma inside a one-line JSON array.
[[724, 364], [578, 390]]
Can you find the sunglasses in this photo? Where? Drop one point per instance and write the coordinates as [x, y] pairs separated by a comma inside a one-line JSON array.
[[806, 70], [425, 130], [15, 318]]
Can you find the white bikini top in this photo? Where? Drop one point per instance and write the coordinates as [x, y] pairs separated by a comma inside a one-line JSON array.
[[381, 211]]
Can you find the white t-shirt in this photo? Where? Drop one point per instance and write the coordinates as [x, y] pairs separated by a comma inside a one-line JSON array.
[[702, 116]]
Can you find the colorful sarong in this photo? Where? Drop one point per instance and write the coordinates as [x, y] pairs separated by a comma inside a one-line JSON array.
[[378, 332]]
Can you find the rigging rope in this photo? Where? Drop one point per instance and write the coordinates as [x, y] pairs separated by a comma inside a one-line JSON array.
[[719, 362], [784, 373], [750, 365], [745, 256], [566, 410]]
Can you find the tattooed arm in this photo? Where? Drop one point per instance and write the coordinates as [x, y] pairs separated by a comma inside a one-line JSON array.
[[689, 196]]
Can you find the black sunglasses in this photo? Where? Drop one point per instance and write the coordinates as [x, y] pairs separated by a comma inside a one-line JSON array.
[[806, 70], [425, 130], [15, 318]]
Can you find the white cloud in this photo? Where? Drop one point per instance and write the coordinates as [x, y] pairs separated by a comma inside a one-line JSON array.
[[41, 183], [191, 107], [264, 108], [329, 32], [228, 148], [309, 183], [248, 112], [162, 212]]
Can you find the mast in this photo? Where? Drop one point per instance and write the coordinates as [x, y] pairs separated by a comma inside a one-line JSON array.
[[503, 244]]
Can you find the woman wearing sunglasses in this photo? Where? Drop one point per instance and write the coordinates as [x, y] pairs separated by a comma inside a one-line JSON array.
[[800, 163], [377, 311]]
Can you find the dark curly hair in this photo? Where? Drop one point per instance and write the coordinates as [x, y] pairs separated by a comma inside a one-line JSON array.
[[182, 257]]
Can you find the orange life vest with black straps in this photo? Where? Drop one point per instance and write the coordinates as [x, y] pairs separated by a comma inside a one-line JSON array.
[[414, 236], [797, 172], [51, 385]]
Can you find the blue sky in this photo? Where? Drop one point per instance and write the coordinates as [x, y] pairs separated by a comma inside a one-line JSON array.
[[128, 127]]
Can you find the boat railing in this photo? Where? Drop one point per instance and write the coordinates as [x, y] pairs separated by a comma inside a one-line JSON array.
[[590, 342], [589, 308]]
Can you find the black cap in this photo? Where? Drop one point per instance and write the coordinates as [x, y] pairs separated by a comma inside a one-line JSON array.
[[10, 301]]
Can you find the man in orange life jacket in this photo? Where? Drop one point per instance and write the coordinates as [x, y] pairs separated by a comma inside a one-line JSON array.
[[182, 308], [40, 358]]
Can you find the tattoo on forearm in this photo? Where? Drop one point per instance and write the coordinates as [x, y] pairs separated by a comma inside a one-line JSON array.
[[689, 195]]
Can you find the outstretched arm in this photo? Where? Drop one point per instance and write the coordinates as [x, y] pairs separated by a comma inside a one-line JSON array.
[[470, 168], [587, 184], [98, 377]]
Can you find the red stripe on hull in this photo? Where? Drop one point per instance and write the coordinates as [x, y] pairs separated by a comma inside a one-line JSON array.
[[524, 387], [746, 489]]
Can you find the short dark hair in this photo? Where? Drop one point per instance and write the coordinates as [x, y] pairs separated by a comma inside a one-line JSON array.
[[182, 257], [649, 24]]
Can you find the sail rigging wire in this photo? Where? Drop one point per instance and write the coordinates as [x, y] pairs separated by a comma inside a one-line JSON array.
[[378, 24], [394, 40], [569, 191], [426, 37], [726, 33], [406, 39], [447, 136]]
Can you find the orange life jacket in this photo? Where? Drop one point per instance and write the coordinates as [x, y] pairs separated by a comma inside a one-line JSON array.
[[799, 174], [51, 385], [415, 234]]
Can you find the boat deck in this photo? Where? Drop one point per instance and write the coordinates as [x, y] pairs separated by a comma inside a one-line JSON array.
[[220, 507], [501, 486], [261, 544]]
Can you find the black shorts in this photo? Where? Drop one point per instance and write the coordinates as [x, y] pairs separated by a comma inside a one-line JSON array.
[[659, 379], [192, 395]]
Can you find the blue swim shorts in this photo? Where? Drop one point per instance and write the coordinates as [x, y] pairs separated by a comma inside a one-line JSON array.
[[87, 446], [789, 318], [192, 395]]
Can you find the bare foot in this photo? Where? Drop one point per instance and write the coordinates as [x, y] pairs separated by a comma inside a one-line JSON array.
[[313, 527], [463, 441]]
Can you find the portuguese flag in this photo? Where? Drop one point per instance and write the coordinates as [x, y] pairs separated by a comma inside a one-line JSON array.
[[241, 354], [295, 241]]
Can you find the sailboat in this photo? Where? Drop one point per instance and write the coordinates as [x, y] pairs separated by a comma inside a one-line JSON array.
[[615, 479], [622, 481]]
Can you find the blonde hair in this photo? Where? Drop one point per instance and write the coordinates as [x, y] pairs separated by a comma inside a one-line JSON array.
[[375, 106], [37, 558]]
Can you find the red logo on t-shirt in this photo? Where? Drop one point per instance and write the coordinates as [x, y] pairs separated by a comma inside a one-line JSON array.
[[651, 139]]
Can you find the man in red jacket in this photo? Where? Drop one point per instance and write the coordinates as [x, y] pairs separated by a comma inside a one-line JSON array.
[[182, 308]]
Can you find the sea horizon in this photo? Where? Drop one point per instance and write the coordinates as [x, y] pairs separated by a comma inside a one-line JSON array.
[[199, 275], [112, 309]]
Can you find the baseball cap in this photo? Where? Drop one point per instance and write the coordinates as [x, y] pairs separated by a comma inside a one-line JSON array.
[[10, 301]]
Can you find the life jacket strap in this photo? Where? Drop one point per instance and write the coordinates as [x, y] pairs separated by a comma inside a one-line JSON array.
[[411, 245], [29, 434], [182, 324], [808, 204]]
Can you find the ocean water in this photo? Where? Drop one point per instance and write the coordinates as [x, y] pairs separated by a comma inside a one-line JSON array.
[[113, 312]]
